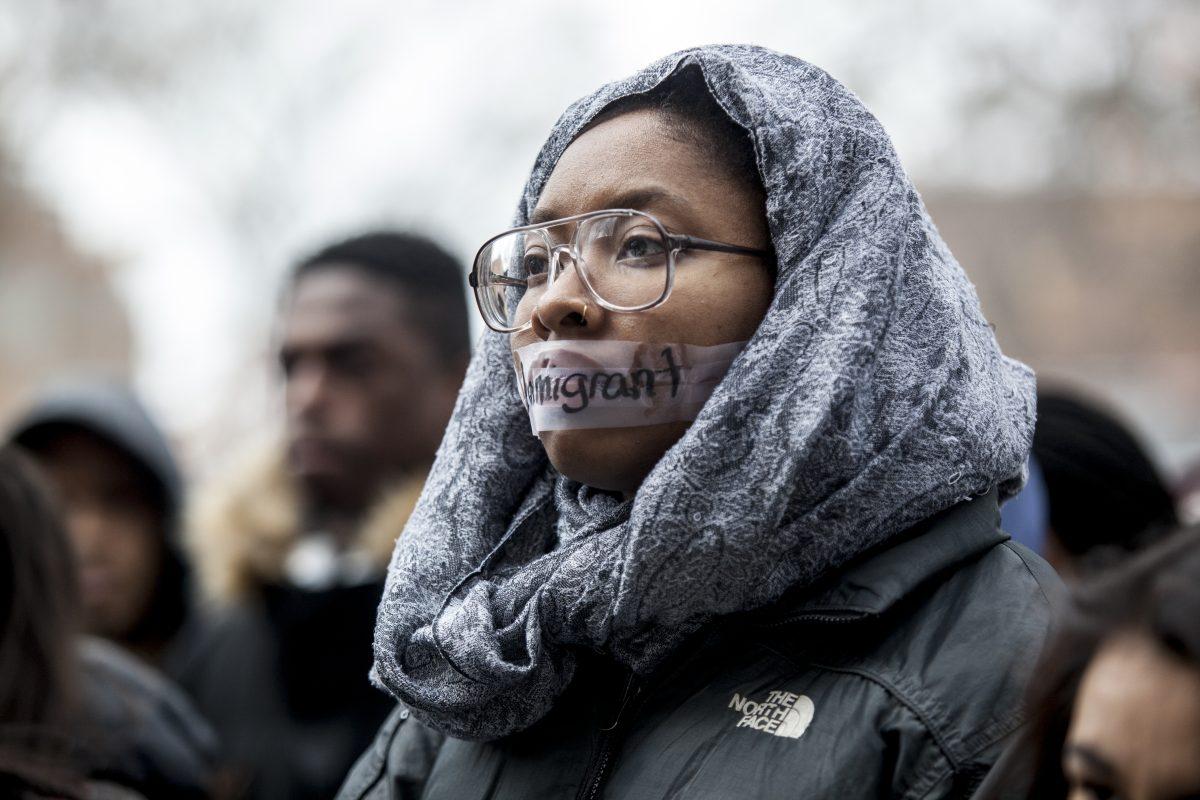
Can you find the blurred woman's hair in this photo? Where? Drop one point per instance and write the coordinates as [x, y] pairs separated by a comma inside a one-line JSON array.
[[1155, 594], [1107, 497], [39, 613]]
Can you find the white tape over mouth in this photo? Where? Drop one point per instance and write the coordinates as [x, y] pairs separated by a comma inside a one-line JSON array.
[[607, 383]]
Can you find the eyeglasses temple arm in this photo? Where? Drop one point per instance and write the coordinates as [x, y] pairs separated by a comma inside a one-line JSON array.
[[473, 280], [684, 242]]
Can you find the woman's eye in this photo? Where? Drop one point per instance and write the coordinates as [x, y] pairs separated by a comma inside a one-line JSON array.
[[535, 263], [641, 248]]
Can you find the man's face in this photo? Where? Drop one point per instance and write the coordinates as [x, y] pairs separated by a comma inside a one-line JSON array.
[[366, 397], [115, 528]]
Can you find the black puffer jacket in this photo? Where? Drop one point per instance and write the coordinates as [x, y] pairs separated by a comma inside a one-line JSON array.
[[900, 677]]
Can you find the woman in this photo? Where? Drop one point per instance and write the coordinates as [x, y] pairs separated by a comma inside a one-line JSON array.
[[38, 619], [791, 584], [1116, 702], [78, 718]]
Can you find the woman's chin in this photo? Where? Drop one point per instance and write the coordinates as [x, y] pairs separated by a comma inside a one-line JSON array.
[[613, 459]]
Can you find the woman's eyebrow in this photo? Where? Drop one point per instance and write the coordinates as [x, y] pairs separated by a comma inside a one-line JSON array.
[[541, 215], [1096, 762], [640, 198], [649, 196]]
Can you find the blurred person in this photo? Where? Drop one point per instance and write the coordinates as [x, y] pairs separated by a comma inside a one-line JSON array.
[[293, 546], [1106, 496], [78, 717], [121, 491], [1187, 494], [751, 547], [1115, 706]]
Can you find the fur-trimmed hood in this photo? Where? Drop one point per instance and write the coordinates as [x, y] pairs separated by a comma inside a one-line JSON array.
[[243, 526]]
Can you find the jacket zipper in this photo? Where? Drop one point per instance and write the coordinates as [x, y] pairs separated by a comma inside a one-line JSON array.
[[854, 616], [609, 740], [633, 699]]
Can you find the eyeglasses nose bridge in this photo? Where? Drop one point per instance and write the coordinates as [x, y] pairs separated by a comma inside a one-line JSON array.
[[557, 267]]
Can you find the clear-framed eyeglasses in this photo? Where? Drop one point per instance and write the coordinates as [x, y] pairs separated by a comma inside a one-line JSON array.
[[625, 260]]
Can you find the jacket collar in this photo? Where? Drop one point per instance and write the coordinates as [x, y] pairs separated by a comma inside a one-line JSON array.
[[874, 583], [245, 525]]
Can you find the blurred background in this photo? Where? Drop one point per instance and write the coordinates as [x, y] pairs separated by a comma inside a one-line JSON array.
[[162, 164]]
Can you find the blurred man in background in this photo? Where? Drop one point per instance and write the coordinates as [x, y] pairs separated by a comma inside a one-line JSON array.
[[373, 346], [120, 492]]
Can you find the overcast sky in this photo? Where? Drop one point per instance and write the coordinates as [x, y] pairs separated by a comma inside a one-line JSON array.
[[203, 146]]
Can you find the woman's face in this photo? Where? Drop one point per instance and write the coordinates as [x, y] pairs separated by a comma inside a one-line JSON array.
[[1136, 726], [634, 161]]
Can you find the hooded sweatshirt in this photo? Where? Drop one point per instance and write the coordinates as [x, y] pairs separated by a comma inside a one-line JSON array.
[[872, 397], [110, 411], [138, 730]]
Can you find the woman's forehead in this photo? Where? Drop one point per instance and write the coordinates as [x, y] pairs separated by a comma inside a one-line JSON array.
[[630, 161]]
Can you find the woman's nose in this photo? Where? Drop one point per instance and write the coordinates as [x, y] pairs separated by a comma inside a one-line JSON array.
[[566, 307]]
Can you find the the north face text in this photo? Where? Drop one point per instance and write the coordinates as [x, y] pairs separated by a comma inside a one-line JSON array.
[[781, 714]]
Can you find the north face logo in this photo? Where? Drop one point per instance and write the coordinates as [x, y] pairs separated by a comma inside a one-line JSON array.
[[781, 714]]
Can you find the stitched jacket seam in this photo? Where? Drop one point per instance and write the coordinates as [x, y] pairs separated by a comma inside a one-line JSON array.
[[1041, 590], [902, 698]]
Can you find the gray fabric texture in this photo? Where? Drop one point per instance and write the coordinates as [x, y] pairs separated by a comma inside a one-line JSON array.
[[872, 396]]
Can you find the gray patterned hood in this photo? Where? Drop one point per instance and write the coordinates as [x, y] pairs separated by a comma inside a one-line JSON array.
[[872, 396]]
